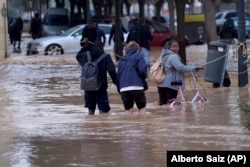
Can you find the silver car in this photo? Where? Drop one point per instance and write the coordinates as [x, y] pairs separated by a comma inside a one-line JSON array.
[[67, 42]]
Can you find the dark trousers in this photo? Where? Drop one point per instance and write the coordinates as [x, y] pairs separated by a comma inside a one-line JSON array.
[[166, 95], [99, 98], [226, 81]]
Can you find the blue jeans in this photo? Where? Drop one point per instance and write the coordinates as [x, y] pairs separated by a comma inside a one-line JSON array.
[[145, 53]]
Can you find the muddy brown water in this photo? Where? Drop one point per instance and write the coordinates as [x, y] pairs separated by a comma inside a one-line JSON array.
[[44, 123]]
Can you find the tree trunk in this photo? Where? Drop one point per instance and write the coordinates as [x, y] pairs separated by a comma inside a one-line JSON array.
[[171, 7], [158, 6], [209, 12], [84, 5], [79, 12], [141, 8], [72, 7], [98, 9], [128, 5], [105, 7], [110, 6], [180, 8]]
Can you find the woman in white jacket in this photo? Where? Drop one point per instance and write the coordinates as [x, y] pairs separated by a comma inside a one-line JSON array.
[[174, 69]]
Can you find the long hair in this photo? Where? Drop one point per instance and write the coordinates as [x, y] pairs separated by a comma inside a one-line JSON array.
[[169, 43]]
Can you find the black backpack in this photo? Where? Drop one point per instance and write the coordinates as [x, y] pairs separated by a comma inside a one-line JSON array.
[[89, 77], [13, 26]]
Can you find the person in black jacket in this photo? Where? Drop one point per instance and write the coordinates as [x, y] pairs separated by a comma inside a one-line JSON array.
[[144, 34], [100, 33], [17, 33], [36, 27], [90, 42], [112, 35]]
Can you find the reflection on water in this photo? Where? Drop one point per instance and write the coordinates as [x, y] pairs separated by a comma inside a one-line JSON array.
[[46, 124]]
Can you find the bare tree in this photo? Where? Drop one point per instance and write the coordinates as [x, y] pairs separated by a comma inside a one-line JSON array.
[[98, 5], [141, 8], [209, 12], [83, 6], [171, 7], [128, 5], [110, 4], [73, 3], [180, 9], [158, 6]]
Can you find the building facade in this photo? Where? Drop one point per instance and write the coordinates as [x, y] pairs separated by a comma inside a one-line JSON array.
[[3, 30]]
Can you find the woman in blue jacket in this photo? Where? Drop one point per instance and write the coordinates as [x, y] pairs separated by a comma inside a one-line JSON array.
[[132, 72]]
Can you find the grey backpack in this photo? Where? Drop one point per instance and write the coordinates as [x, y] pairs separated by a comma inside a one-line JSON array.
[[89, 77]]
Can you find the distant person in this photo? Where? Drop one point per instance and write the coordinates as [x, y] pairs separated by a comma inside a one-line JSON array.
[[112, 35], [10, 31], [16, 28], [36, 27], [132, 72], [142, 33], [100, 33]]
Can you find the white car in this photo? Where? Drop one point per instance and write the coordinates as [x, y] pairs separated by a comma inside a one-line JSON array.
[[221, 17], [67, 42]]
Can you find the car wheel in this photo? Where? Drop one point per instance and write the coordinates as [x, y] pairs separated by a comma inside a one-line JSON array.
[[53, 50]]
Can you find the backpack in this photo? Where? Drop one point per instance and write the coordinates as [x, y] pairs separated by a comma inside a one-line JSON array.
[[156, 72], [135, 34], [13, 25], [89, 77]]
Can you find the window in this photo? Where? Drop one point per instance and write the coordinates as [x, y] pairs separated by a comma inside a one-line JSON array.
[[232, 14], [105, 29], [56, 20], [218, 16]]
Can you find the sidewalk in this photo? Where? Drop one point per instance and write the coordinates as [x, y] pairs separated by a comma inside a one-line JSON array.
[[197, 55]]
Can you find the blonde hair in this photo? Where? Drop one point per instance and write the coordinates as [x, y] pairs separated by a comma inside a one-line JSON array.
[[132, 45]]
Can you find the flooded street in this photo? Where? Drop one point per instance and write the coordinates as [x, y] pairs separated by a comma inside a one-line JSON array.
[[44, 122]]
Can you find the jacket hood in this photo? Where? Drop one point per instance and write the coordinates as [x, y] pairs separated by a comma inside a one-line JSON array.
[[130, 53], [167, 51], [95, 51]]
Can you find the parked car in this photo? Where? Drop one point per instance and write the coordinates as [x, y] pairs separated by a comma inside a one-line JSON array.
[[55, 21], [221, 17], [161, 34], [230, 28], [67, 42], [125, 20], [165, 20]]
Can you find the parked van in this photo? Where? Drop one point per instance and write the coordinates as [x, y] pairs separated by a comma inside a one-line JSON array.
[[55, 21]]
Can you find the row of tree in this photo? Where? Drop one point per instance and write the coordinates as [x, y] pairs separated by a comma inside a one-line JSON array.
[[103, 8]]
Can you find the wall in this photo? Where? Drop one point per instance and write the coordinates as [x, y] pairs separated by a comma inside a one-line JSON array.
[[3, 30]]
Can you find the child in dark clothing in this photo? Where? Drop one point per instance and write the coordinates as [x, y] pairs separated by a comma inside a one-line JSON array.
[[90, 42]]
